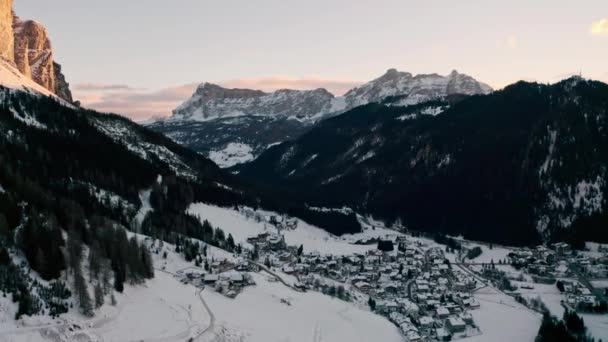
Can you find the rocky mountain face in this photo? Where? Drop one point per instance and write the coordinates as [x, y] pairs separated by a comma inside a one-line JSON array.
[[521, 165], [211, 101], [26, 44], [6, 29], [409, 89], [215, 118]]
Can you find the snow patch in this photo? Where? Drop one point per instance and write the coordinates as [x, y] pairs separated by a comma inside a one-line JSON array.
[[232, 154], [547, 163], [246, 222], [144, 197]]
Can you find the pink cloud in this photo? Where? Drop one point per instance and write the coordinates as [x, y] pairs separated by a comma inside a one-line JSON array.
[[137, 104], [141, 104]]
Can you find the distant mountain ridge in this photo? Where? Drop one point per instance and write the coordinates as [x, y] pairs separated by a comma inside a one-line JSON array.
[[215, 117], [211, 101]]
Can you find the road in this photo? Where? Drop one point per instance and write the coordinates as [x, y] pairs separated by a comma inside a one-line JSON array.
[[200, 297], [582, 278], [269, 271], [211, 316]]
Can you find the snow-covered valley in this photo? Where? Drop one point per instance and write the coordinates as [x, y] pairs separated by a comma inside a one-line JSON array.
[[170, 308]]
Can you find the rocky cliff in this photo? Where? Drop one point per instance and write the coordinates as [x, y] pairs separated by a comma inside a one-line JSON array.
[[27, 45], [211, 101], [6, 29]]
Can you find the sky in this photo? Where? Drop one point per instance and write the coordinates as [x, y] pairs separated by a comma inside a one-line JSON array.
[[141, 58]]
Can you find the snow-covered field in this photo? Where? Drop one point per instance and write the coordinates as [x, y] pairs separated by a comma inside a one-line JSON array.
[[597, 326], [600, 284], [234, 153], [548, 293], [502, 319], [488, 254], [312, 238], [273, 312], [161, 310]]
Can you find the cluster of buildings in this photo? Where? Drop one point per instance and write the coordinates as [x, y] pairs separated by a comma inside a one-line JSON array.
[[559, 261], [225, 277], [578, 296], [281, 222], [414, 286]]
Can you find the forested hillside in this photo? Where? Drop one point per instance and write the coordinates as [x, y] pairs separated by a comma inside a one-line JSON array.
[[517, 166], [71, 187]]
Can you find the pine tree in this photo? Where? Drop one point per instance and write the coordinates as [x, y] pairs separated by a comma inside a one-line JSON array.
[[372, 303], [230, 243], [147, 264], [94, 261], [4, 228], [74, 252], [82, 294], [106, 276], [98, 296]]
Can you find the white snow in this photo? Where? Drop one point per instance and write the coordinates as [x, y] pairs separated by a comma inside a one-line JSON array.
[[597, 325], [547, 162], [589, 196], [600, 284], [161, 310], [27, 119], [312, 238], [232, 154], [10, 77], [502, 319], [496, 253], [407, 117], [548, 293], [144, 197], [270, 311], [2, 189]]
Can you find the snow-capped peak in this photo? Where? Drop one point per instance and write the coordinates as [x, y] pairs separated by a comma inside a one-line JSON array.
[[414, 89], [211, 101]]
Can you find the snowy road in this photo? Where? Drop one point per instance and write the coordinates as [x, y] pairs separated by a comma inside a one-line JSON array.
[[269, 271], [211, 315]]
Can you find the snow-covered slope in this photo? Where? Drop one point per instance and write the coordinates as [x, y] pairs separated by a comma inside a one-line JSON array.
[[165, 309], [10, 77], [270, 311], [245, 222]]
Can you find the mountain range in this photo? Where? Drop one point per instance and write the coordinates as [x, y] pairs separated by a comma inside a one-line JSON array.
[[235, 125]]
